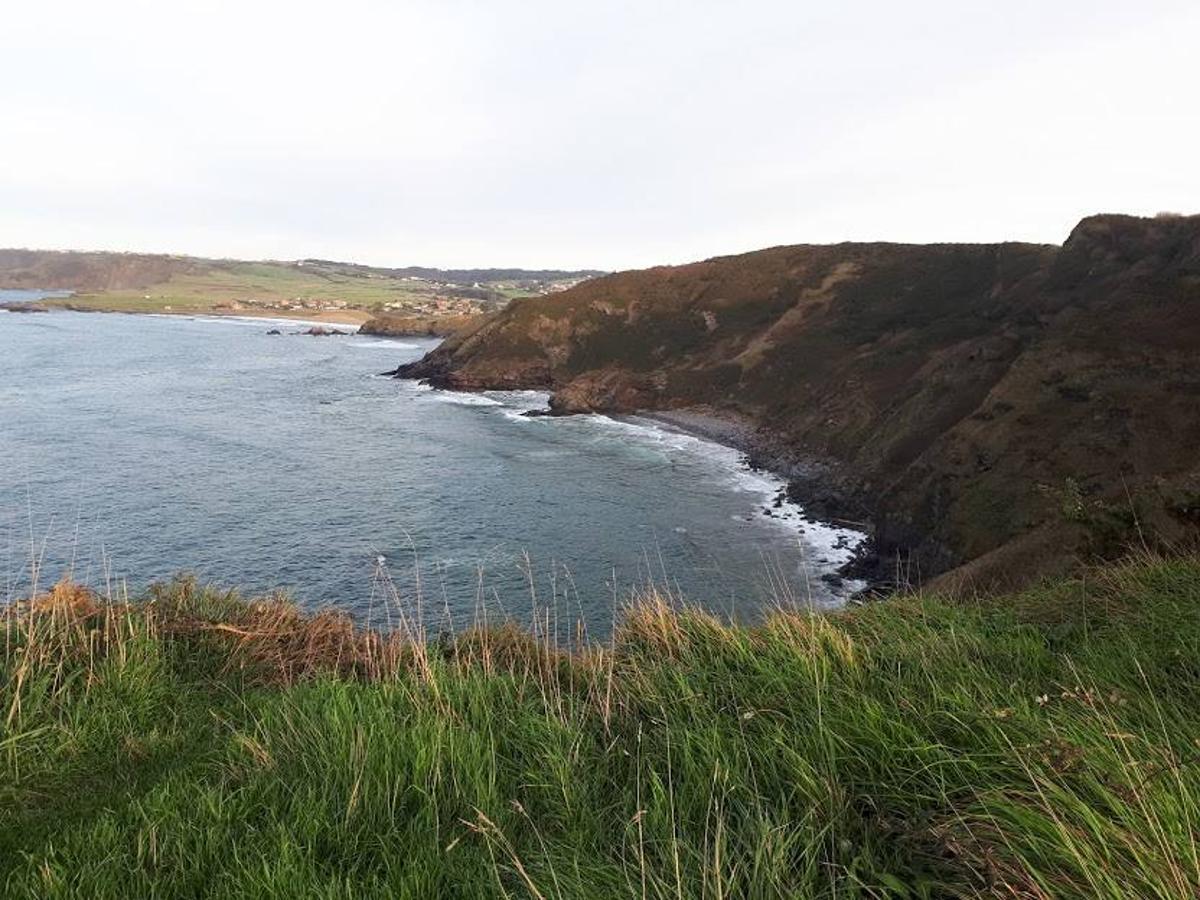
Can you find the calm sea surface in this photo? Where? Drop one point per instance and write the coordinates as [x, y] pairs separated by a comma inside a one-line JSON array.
[[134, 447]]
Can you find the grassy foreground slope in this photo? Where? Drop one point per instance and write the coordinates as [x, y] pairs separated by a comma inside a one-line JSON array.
[[191, 744]]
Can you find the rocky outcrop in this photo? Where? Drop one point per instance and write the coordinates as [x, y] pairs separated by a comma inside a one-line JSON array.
[[998, 411], [418, 326]]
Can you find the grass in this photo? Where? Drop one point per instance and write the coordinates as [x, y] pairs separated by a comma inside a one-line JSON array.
[[193, 744], [212, 284]]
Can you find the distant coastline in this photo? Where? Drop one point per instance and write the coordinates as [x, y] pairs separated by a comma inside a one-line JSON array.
[[328, 317], [365, 321], [400, 302]]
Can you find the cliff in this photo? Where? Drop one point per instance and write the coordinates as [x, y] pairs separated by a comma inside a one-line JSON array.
[[997, 411]]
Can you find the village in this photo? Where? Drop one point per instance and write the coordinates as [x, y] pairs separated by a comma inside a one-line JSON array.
[[433, 306]]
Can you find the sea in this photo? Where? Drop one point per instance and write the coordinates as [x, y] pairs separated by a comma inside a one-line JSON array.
[[138, 448]]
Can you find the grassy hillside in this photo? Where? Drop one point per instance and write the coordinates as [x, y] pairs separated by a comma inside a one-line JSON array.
[[996, 409], [190, 744], [244, 285], [156, 283]]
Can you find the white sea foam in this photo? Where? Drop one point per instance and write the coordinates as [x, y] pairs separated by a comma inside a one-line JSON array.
[[515, 404], [828, 546], [825, 546], [380, 344], [457, 398], [522, 399], [268, 321]]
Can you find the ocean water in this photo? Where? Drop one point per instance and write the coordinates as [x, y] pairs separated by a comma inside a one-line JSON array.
[[136, 447], [29, 296]]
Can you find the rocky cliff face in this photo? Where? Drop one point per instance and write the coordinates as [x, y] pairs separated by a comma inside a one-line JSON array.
[[996, 410]]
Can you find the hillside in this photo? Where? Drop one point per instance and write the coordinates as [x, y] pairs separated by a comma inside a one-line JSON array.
[[997, 411], [137, 282]]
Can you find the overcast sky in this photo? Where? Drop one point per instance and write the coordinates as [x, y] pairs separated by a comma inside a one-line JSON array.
[[597, 134]]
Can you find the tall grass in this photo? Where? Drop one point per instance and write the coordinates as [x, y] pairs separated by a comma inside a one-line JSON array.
[[193, 744]]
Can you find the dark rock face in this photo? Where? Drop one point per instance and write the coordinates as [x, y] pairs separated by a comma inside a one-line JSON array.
[[998, 411]]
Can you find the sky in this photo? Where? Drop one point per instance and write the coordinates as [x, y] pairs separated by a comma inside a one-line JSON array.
[[611, 135]]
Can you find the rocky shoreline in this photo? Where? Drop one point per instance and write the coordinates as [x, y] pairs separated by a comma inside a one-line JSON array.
[[823, 497], [819, 489], [825, 489], [998, 412]]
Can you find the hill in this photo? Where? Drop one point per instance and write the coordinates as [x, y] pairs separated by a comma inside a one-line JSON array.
[[997, 411], [138, 282]]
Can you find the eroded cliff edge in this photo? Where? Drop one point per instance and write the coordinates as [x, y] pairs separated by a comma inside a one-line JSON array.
[[997, 411]]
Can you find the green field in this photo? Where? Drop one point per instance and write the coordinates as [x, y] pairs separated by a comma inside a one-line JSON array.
[[212, 286], [190, 744], [158, 283]]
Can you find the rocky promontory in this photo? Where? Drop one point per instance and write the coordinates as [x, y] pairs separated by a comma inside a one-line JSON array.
[[998, 411], [384, 325]]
